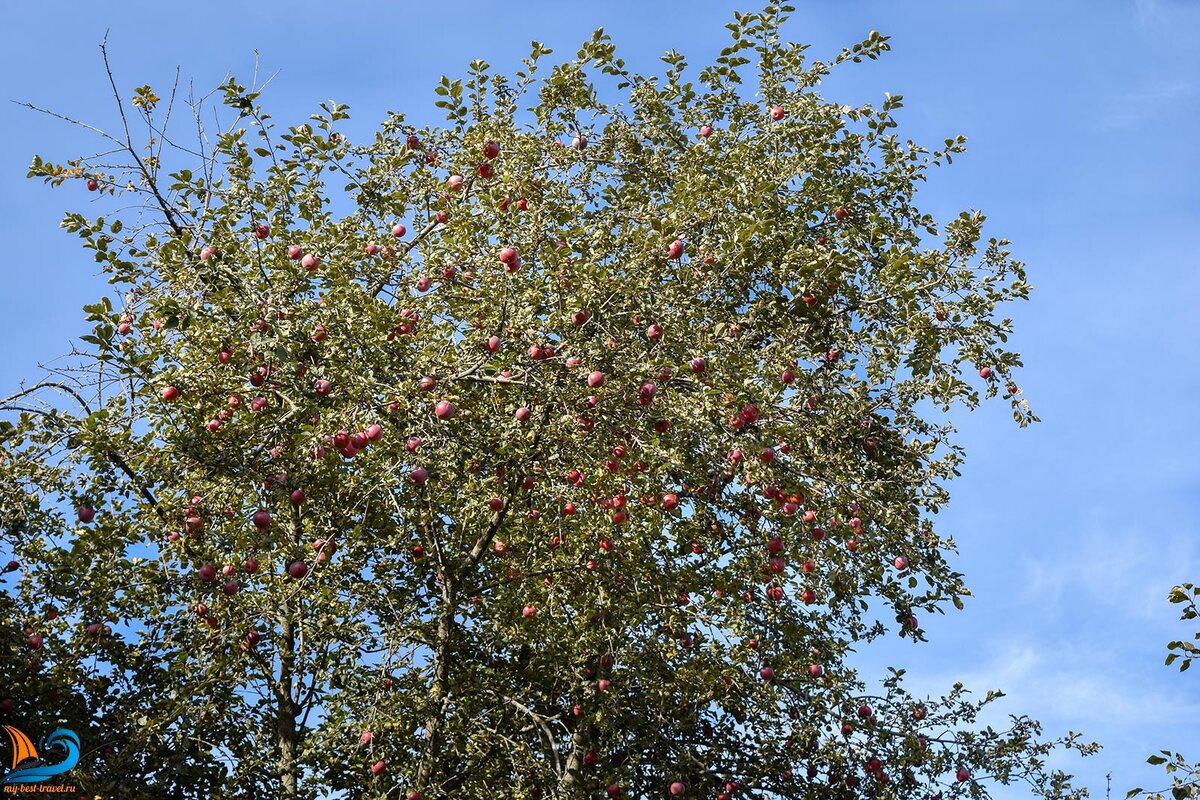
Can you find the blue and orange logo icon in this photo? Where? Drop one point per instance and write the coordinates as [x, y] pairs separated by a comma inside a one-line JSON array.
[[29, 767]]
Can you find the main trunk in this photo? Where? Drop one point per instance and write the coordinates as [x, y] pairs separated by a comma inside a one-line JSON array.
[[287, 734]]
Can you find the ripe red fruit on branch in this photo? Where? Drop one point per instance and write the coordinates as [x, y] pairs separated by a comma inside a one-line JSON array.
[[677, 789], [841, 214], [706, 131], [207, 573], [261, 519], [379, 767], [262, 231], [777, 113], [963, 775], [310, 262], [444, 410], [580, 317], [297, 497], [491, 150], [767, 674], [697, 365], [985, 373], [675, 249], [170, 394], [595, 379], [399, 230], [419, 476], [297, 569], [85, 514], [322, 387]]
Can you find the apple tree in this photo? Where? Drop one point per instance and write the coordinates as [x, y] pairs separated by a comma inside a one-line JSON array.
[[566, 448]]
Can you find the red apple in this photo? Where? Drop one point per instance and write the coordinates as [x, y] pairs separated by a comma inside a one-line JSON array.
[[297, 497], [419, 476], [529, 612], [444, 410], [580, 317], [262, 230], [767, 674], [295, 252], [170, 394], [297, 569], [85, 513], [399, 230], [706, 131], [310, 262], [379, 767], [207, 573], [675, 249], [491, 150], [777, 113], [677, 789], [261, 519], [322, 387]]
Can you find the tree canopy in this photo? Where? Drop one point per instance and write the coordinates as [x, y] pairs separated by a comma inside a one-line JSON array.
[[567, 448]]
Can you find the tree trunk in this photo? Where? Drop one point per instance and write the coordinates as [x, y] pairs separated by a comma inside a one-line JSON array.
[[441, 683], [287, 734]]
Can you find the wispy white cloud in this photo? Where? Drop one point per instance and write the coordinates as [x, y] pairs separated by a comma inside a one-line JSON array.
[[1081, 685], [1122, 566], [1149, 104]]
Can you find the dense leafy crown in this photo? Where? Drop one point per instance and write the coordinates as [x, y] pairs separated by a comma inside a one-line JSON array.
[[566, 449]]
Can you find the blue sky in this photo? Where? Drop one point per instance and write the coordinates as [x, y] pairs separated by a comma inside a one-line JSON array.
[[1081, 120]]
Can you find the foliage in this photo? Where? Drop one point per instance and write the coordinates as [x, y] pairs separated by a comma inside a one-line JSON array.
[[1185, 777], [603, 514]]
